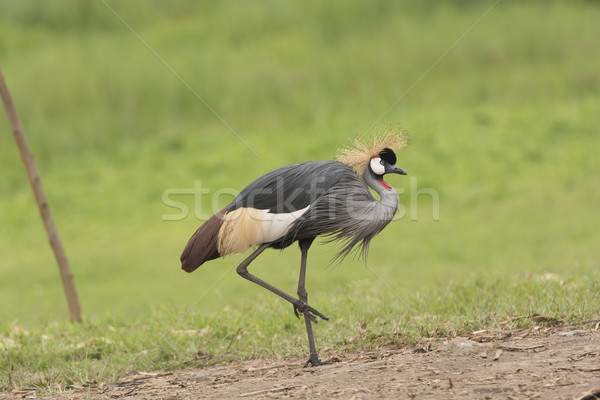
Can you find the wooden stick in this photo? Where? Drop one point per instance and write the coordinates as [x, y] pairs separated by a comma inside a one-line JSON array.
[[42, 201]]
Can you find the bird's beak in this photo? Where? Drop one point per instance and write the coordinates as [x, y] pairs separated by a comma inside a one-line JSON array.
[[393, 169]]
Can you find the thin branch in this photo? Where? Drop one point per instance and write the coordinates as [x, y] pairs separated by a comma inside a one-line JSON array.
[[42, 201]]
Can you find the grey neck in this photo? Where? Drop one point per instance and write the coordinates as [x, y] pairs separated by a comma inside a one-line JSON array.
[[372, 181], [383, 211]]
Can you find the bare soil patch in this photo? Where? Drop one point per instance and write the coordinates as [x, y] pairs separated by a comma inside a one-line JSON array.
[[542, 363]]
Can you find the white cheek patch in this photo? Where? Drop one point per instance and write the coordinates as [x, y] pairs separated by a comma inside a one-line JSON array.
[[376, 166]]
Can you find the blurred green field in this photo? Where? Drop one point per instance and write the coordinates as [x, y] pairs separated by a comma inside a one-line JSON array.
[[505, 128]]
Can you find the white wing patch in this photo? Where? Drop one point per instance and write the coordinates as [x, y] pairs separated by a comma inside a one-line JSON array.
[[275, 226], [247, 227]]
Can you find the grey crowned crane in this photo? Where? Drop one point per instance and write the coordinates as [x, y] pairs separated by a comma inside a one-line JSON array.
[[300, 202]]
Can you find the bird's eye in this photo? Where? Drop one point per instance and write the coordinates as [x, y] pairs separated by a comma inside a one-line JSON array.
[[381, 162]]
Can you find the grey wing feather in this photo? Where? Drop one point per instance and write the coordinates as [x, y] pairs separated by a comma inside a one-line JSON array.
[[290, 188]]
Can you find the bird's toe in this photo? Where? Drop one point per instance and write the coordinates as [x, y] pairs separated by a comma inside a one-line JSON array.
[[303, 308], [314, 361]]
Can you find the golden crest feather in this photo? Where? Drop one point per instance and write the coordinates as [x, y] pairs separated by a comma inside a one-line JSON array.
[[359, 155]]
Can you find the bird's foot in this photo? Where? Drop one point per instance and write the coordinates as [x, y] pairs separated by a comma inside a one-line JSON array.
[[314, 361], [302, 308]]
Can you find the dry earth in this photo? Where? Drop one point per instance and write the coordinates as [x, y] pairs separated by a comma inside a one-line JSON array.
[[536, 363]]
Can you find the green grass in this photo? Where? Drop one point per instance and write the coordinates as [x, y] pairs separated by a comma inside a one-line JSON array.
[[504, 128], [60, 354]]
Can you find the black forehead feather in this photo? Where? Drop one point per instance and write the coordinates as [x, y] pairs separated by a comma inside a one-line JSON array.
[[388, 156]]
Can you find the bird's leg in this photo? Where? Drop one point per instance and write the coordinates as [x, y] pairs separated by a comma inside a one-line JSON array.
[[303, 296], [300, 305]]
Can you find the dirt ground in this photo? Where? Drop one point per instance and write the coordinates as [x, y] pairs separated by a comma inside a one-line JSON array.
[[536, 363]]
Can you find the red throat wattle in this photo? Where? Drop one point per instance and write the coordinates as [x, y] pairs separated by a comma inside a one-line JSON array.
[[384, 184]]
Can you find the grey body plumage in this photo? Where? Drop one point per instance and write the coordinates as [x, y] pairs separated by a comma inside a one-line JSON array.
[[341, 205], [348, 212], [301, 202]]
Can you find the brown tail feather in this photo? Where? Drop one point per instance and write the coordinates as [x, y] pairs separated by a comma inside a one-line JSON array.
[[202, 246]]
